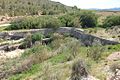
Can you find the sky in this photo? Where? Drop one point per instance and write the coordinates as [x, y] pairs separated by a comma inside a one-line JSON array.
[[86, 4]]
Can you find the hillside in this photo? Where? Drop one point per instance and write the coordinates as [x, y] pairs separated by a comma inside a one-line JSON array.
[[45, 40], [31, 7]]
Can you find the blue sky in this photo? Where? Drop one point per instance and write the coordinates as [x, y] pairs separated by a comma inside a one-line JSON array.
[[86, 4]]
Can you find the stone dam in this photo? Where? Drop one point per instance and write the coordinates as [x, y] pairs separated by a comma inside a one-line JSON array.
[[86, 39]]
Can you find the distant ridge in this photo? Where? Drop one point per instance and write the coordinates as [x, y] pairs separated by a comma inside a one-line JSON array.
[[109, 9], [113, 9]]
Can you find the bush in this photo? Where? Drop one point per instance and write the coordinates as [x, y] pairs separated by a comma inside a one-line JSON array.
[[78, 70], [76, 22], [95, 52], [27, 43], [31, 39], [37, 37], [111, 21], [67, 19], [114, 47], [70, 19], [35, 23], [88, 19], [78, 19]]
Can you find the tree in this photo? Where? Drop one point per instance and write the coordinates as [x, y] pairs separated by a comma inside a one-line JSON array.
[[66, 20], [75, 7], [88, 19]]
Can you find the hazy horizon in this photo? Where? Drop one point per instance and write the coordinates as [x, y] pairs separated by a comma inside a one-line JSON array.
[[85, 4]]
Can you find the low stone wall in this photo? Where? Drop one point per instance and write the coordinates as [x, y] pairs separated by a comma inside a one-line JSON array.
[[17, 34], [85, 39], [89, 40]]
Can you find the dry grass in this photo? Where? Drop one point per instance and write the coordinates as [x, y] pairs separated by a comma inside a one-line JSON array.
[[79, 70], [104, 14], [108, 13]]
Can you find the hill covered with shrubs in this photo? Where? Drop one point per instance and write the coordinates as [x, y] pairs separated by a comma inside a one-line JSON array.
[[31, 7]]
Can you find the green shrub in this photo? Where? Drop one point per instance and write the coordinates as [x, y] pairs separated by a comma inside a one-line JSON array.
[[31, 39], [77, 19], [111, 21], [67, 19], [35, 23], [37, 37], [76, 23], [70, 19], [114, 47], [88, 19]]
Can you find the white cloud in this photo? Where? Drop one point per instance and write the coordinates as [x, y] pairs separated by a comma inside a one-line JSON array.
[[91, 3]]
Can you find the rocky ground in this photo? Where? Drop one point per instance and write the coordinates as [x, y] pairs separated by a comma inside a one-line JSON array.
[[114, 69]]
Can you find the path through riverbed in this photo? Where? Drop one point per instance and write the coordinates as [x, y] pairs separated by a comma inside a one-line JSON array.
[[2, 25]]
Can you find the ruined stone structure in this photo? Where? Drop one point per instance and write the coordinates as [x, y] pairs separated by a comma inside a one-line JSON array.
[[85, 39]]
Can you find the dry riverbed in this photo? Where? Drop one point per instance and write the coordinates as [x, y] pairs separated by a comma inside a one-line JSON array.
[[11, 54]]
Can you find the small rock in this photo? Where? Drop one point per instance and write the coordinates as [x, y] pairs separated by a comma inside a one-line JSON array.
[[114, 56]]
